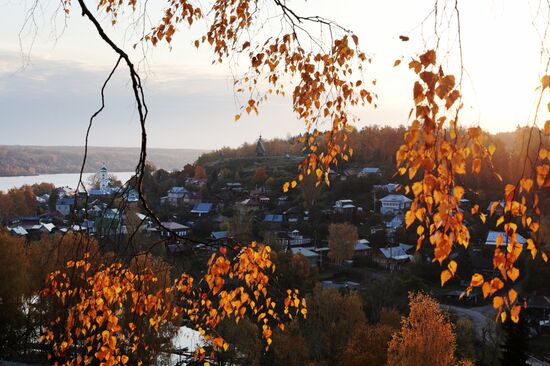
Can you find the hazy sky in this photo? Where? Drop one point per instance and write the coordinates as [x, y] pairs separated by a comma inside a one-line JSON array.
[[48, 100]]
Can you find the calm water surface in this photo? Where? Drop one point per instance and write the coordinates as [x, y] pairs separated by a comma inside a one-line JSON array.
[[58, 180]]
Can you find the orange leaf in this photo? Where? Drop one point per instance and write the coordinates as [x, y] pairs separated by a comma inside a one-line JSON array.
[[497, 302], [513, 273], [458, 192], [286, 186], [512, 295], [477, 280], [514, 313]]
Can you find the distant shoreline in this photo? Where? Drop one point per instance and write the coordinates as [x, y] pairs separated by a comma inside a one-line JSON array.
[[27, 161], [38, 174]]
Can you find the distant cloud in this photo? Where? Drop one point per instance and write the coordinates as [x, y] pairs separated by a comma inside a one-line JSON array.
[[49, 103]]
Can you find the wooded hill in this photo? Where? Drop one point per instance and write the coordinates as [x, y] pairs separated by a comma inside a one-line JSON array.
[[32, 160]]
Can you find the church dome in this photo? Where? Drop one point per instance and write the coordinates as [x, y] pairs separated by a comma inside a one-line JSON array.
[[260, 148]]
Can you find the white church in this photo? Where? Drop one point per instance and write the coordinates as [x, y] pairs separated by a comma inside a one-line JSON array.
[[105, 188]]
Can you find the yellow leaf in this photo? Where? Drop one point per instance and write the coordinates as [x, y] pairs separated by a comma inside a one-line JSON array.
[[544, 257], [526, 184], [458, 192], [500, 221], [547, 127], [237, 117], [286, 186], [396, 63], [293, 184], [503, 317], [452, 267], [543, 153], [483, 217], [417, 188], [409, 218], [545, 81], [492, 149], [446, 275]]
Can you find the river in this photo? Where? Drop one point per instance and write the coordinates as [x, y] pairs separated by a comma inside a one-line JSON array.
[[58, 180]]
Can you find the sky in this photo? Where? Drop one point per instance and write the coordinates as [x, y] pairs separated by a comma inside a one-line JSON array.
[[50, 82]]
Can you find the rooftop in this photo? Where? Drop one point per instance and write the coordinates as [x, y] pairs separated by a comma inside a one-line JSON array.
[[395, 198]]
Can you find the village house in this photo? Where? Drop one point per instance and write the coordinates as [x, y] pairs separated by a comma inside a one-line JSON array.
[[17, 231], [344, 207], [110, 223], [233, 186], [293, 238], [174, 196], [219, 235], [89, 227], [65, 205], [171, 228], [64, 192], [394, 223], [389, 187], [310, 255], [281, 200], [365, 172], [195, 182], [32, 226], [394, 203], [538, 309], [43, 198], [273, 220], [393, 258], [254, 203], [203, 208], [362, 247]]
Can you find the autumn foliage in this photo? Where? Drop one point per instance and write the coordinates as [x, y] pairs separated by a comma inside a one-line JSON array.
[[426, 336], [341, 241], [435, 156], [115, 315]]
